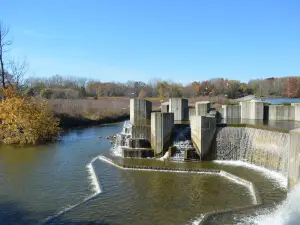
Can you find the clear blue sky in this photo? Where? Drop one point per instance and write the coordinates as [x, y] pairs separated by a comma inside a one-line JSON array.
[[142, 40]]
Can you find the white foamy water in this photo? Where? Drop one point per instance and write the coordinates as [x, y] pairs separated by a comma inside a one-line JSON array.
[[95, 188], [197, 221], [166, 155], [280, 179], [93, 177], [287, 213], [117, 151]]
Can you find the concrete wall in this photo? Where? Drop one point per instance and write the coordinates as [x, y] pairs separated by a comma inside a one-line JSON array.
[[297, 111], [294, 158], [140, 111], [179, 107], [165, 107], [231, 111], [161, 129], [202, 108], [192, 112], [252, 110], [202, 132], [136, 152], [280, 112], [141, 131]]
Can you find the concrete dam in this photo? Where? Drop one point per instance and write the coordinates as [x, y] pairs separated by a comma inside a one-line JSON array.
[[181, 132]]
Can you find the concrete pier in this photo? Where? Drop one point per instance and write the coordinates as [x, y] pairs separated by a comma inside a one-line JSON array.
[[281, 112], [294, 158], [140, 111], [297, 111], [202, 108], [192, 111], [253, 110], [179, 106], [231, 111], [202, 132], [161, 129], [165, 107], [141, 131]]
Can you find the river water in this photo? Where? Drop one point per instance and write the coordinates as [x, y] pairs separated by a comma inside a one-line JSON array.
[[281, 100], [42, 184]]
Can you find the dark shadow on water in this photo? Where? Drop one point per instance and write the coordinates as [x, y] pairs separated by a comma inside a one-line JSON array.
[[11, 213], [65, 222]]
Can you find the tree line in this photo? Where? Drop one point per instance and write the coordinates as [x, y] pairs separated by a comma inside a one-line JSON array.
[[61, 87]]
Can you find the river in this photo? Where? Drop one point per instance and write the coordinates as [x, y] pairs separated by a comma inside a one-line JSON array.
[[41, 182]]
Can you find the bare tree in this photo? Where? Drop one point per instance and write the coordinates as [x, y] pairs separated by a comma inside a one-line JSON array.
[[12, 70], [17, 69], [4, 44]]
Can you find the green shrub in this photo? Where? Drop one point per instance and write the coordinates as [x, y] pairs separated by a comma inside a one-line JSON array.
[[46, 93]]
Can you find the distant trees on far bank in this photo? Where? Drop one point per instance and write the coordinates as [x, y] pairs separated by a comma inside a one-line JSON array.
[[60, 87]]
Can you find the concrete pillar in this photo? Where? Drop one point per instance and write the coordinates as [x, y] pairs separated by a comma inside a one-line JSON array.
[[231, 111], [253, 110], [141, 132], [202, 132], [294, 158], [297, 111], [281, 112], [165, 107], [202, 108], [140, 111], [179, 107], [161, 129], [192, 112]]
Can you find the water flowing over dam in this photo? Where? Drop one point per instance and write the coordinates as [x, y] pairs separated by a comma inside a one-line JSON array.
[[260, 147], [181, 141], [287, 213]]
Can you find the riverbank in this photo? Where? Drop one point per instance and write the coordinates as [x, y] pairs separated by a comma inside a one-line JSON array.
[[69, 121]]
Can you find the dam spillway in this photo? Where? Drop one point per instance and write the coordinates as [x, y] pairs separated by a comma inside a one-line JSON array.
[[159, 133], [256, 146]]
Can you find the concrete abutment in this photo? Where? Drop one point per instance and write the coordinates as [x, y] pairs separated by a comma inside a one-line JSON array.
[[161, 129], [202, 133]]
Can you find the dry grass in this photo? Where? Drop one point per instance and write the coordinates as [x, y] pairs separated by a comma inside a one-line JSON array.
[[94, 108], [91, 109], [110, 105], [106, 109]]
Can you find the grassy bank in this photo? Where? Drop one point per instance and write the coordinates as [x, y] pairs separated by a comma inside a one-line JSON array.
[[85, 112], [69, 121]]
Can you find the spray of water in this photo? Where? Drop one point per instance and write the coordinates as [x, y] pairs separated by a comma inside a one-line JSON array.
[[166, 155], [287, 213], [277, 177]]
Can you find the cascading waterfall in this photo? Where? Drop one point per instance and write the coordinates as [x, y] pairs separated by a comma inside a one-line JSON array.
[[182, 141], [122, 139], [132, 142], [260, 147], [127, 128]]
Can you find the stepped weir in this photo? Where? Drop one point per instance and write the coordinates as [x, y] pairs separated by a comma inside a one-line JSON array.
[[182, 132]]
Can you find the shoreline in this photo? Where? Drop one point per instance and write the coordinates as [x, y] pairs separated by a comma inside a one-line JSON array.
[[68, 121]]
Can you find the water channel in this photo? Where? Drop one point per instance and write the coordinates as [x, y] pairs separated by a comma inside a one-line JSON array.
[[42, 184]]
